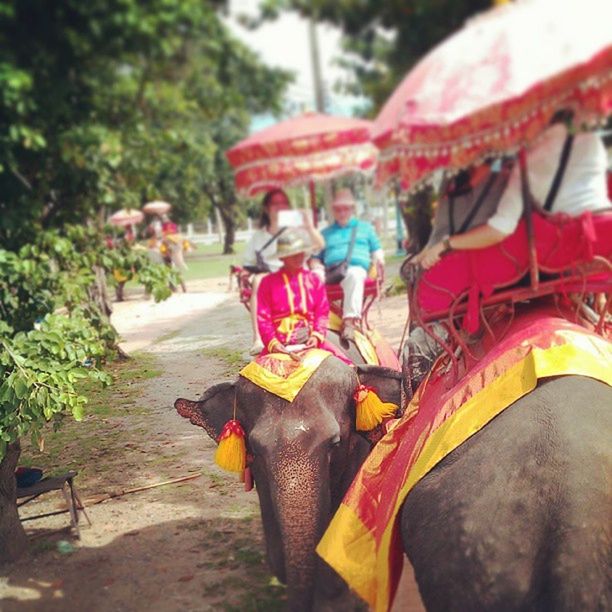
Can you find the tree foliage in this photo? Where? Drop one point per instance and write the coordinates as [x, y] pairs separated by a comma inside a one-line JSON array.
[[50, 337], [104, 104], [110, 103]]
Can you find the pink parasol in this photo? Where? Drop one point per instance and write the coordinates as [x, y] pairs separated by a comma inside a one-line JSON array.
[[157, 207], [494, 86], [125, 217], [306, 148]]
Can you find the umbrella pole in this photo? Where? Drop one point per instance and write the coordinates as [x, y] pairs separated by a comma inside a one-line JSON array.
[[527, 213], [313, 201]]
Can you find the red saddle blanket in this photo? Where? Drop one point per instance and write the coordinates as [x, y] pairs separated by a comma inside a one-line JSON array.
[[363, 542], [562, 243]]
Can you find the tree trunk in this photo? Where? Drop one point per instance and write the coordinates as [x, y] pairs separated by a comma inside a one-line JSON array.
[[225, 203], [13, 539], [98, 293], [230, 233]]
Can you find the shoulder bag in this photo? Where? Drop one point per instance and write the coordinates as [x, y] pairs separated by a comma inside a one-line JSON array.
[[335, 273], [262, 266]]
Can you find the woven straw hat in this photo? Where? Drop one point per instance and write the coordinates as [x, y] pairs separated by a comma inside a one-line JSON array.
[[292, 242]]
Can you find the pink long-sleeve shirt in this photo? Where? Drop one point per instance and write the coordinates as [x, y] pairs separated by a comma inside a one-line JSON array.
[[292, 307]]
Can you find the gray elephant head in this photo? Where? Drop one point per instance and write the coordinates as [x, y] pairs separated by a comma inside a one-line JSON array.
[[303, 456]]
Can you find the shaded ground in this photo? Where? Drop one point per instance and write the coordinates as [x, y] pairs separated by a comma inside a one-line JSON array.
[[196, 545]]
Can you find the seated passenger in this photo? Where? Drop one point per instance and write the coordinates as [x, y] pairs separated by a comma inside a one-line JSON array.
[[582, 188], [260, 253], [292, 306], [366, 251]]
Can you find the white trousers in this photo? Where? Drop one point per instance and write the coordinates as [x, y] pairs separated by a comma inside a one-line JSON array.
[[352, 286]]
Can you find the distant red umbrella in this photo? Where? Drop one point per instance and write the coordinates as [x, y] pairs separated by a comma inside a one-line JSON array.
[[125, 217], [494, 86], [306, 148], [157, 207]]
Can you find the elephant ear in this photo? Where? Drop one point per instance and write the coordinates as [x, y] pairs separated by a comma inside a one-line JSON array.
[[212, 411], [385, 381]]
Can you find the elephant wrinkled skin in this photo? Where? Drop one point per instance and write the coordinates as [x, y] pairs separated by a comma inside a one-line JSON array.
[[519, 516], [305, 454]]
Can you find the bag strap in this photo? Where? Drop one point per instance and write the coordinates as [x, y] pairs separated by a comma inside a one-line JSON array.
[[265, 246], [451, 215], [478, 204], [351, 245], [556, 183]]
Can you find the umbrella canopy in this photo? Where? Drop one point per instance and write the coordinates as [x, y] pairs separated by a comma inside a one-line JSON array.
[[309, 147], [494, 86], [157, 207], [126, 216]]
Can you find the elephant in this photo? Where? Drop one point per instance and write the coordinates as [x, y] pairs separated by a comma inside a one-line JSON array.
[[519, 516], [303, 456]]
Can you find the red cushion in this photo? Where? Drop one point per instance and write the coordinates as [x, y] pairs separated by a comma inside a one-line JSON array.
[[481, 271], [563, 241]]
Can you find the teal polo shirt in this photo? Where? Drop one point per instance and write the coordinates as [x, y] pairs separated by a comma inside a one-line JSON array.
[[337, 241]]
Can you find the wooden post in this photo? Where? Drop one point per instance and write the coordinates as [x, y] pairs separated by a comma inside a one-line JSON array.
[[527, 213], [313, 202]]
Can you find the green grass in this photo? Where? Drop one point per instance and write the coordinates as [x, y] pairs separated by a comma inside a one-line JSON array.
[[74, 444], [231, 358], [208, 262], [127, 374]]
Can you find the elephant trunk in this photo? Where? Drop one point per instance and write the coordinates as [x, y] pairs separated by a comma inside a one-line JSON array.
[[303, 504]]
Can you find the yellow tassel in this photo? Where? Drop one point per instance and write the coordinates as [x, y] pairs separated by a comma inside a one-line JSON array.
[[231, 452], [371, 410]]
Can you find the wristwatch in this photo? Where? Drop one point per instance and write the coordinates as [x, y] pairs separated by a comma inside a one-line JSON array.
[[447, 245]]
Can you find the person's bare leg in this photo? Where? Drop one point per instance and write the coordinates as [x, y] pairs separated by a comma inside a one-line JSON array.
[[257, 346]]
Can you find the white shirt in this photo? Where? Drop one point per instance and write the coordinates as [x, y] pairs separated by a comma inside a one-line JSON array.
[[583, 186], [257, 241]]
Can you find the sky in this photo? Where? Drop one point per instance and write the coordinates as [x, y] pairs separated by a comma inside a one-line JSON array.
[[284, 43]]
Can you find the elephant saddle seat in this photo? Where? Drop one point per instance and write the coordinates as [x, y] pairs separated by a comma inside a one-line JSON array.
[[566, 249]]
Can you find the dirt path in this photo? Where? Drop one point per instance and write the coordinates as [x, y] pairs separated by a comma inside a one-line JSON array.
[[192, 546]]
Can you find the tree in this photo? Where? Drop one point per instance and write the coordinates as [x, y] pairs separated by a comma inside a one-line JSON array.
[[43, 355], [112, 103], [103, 103]]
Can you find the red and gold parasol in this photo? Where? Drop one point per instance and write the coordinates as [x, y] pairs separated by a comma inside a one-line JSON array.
[[157, 207], [125, 217], [494, 86], [306, 148]]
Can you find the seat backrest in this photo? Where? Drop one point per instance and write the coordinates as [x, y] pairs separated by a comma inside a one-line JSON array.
[[564, 242]]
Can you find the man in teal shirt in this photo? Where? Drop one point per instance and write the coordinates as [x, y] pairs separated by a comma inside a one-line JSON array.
[[366, 250]]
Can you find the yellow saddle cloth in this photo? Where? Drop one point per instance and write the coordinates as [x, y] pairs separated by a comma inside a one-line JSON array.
[[282, 375], [362, 542]]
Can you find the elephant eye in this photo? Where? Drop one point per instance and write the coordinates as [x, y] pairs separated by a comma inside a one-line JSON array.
[[335, 441]]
